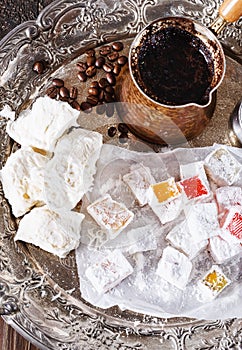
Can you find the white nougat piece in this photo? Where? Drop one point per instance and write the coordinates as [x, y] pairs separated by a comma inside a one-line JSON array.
[[228, 196], [109, 272], [174, 267], [23, 180], [55, 232], [112, 216], [69, 174], [43, 124], [221, 250], [139, 179], [202, 221], [181, 238], [222, 166]]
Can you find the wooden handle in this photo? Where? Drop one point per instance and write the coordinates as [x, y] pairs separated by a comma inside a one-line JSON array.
[[231, 10]]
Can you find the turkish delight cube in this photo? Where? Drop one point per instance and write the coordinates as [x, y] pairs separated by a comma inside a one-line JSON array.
[[165, 200], [194, 188], [139, 179], [109, 272], [163, 192], [112, 216], [221, 250], [213, 283], [194, 169], [222, 166], [232, 225], [228, 196], [202, 221], [174, 267], [180, 237], [140, 239]]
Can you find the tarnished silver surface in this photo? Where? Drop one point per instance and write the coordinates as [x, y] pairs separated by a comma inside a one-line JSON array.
[[34, 285]]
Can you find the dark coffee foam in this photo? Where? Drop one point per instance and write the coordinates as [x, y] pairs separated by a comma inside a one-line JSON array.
[[175, 67]]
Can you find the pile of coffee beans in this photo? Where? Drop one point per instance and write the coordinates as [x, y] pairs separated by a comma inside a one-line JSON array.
[[101, 93], [109, 59], [58, 91]]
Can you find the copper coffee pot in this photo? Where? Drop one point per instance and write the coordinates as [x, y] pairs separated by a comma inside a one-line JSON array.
[[162, 123]]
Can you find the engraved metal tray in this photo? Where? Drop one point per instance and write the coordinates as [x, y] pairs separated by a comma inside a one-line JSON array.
[[34, 286]]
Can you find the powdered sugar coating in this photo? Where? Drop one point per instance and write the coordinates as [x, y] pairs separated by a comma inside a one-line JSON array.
[[174, 267], [222, 166], [202, 221], [228, 196], [194, 169], [109, 272], [112, 216], [139, 179], [180, 237], [168, 205], [222, 250], [213, 283], [232, 225]]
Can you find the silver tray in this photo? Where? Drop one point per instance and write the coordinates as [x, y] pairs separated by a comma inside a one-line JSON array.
[[34, 286]]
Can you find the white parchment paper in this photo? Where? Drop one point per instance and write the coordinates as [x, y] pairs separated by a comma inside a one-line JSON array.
[[143, 241]]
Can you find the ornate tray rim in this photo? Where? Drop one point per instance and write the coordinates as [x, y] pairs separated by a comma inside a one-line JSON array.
[[87, 328]]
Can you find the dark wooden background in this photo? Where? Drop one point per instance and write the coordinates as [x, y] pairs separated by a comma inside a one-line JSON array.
[[12, 13]]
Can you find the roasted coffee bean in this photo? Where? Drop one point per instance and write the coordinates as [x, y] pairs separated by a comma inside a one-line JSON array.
[[101, 96], [109, 89], [100, 62], [108, 67], [90, 53], [123, 138], [82, 76], [111, 78], [81, 66], [116, 69], [73, 93], [58, 82], [52, 92], [122, 127], [103, 83], [85, 106], [113, 56], [93, 91], [108, 97], [91, 60], [117, 46], [122, 60], [105, 50], [75, 105], [109, 110], [91, 71], [94, 84], [112, 131], [64, 92], [93, 100], [64, 98], [39, 67], [101, 109]]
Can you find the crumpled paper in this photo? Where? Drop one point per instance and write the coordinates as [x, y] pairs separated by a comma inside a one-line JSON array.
[[143, 241]]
